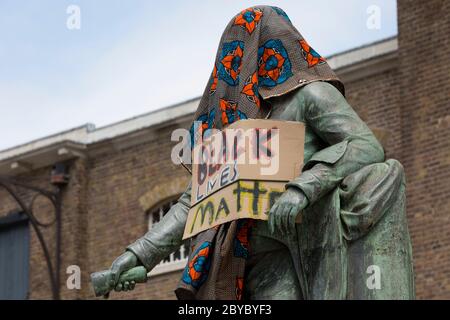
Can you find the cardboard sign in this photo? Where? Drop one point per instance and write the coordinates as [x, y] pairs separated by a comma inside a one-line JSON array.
[[240, 172]]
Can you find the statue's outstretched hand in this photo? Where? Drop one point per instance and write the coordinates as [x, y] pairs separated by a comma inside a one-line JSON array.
[[284, 212], [123, 263]]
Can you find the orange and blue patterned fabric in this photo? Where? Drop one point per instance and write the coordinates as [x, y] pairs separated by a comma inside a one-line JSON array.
[[196, 271], [230, 62], [239, 288], [260, 55], [281, 13], [213, 81], [203, 123], [241, 240], [250, 89], [311, 56], [248, 19], [274, 66], [230, 113]]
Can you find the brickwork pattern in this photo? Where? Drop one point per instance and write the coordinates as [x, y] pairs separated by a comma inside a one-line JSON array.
[[103, 203]]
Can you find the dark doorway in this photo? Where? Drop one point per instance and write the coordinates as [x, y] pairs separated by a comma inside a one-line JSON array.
[[14, 256]]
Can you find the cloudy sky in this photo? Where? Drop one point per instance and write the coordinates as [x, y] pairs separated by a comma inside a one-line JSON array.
[[132, 57]]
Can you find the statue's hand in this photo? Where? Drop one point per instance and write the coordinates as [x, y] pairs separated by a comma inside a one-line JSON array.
[[123, 263], [283, 213]]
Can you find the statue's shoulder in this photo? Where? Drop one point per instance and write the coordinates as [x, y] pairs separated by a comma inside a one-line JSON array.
[[293, 105], [317, 91]]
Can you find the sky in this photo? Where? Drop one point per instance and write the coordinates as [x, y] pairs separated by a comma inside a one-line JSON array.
[[126, 58]]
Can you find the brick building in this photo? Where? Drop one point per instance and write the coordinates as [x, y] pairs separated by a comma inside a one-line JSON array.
[[122, 180]]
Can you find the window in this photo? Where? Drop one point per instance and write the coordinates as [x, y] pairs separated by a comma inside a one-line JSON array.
[[176, 260], [14, 257]]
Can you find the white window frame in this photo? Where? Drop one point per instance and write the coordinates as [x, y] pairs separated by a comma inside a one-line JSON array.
[[173, 264]]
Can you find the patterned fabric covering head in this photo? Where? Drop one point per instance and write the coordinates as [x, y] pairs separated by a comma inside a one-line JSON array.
[[261, 55]]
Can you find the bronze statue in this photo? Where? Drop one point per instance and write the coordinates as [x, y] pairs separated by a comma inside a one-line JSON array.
[[353, 240]]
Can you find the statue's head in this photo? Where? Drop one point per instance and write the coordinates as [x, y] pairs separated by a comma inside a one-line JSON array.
[[261, 55]]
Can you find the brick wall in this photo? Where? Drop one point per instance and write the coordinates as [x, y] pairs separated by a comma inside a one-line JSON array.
[[101, 215], [116, 217], [424, 81], [375, 99], [73, 228], [39, 283], [102, 212]]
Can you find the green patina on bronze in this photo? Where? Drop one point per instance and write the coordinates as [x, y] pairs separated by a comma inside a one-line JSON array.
[[102, 280], [353, 222], [353, 240]]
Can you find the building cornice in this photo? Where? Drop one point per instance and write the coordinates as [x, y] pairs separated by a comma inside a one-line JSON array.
[[87, 140], [365, 61]]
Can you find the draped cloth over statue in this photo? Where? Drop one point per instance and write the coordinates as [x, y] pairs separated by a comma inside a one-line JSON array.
[[260, 55], [358, 224]]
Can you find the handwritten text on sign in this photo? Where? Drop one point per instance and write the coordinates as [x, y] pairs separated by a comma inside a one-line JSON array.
[[242, 199], [239, 172]]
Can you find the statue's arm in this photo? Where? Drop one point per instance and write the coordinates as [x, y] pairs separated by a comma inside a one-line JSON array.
[[166, 236], [352, 145]]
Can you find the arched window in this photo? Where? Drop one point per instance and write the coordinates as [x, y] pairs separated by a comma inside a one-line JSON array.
[[176, 260]]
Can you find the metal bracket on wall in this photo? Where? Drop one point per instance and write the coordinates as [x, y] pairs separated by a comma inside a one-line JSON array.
[[13, 187]]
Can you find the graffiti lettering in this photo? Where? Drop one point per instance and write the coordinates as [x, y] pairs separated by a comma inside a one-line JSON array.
[[223, 206], [254, 192], [241, 199], [225, 176], [203, 208]]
